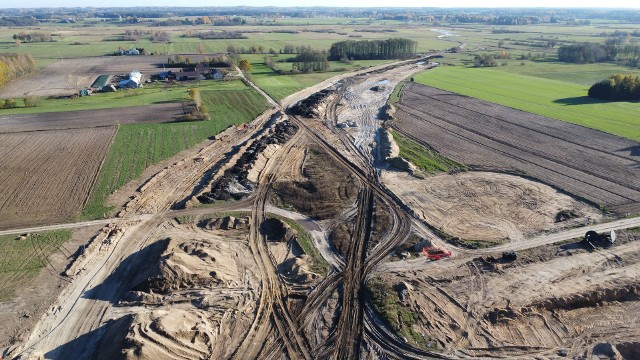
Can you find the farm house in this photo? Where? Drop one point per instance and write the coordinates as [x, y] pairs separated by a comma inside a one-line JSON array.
[[135, 78]]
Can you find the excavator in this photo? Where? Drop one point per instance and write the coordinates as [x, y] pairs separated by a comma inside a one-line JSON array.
[[593, 240]]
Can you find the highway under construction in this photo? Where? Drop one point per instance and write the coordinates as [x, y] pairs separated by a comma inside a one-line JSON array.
[[303, 236]]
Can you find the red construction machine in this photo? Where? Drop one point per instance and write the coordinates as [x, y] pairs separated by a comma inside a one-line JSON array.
[[434, 253]]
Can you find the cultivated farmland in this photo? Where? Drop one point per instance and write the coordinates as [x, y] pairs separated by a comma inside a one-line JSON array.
[[47, 175], [601, 168], [551, 98], [90, 118]]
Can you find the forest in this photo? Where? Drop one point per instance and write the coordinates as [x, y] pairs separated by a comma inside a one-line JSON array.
[[397, 48], [13, 66], [309, 60], [587, 53], [617, 88]]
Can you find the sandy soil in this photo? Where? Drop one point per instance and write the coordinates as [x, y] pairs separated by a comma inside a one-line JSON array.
[[80, 319], [163, 290], [486, 206], [551, 300], [362, 101], [47, 176], [197, 301]]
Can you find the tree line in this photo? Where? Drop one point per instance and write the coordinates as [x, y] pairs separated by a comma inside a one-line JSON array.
[[310, 60], [13, 66], [617, 88], [36, 36], [186, 61], [587, 53], [397, 48]]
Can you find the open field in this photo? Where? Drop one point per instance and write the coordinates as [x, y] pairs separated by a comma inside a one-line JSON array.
[[72, 41], [555, 99], [583, 74], [21, 259], [47, 175], [139, 146], [586, 163], [90, 118], [151, 94], [281, 86]]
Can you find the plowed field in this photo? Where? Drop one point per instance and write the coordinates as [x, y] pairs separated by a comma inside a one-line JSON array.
[[91, 118], [601, 168], [46, 175]]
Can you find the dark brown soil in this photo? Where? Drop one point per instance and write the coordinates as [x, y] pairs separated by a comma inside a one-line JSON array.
[[381, 223], [590, 164], [324, 194], [340, 238], [91, 118]]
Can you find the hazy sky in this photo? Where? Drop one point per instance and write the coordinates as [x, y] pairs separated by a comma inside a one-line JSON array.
[[350, 3]]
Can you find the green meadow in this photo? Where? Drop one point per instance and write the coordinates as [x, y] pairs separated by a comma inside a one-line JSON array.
[[556, 99]]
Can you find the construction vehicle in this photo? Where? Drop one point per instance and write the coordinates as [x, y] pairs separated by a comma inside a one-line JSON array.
[[509, 256], [593, 240], [434, 253]]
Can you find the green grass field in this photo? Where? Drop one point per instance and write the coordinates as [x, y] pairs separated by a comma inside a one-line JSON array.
[[151, 94], [583, 74], [555, 99], [426, 160], [280, 86], [22, 260], [139, 146]]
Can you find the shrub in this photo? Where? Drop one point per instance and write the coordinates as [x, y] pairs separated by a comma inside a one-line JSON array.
[[9, 104], [31, 101]]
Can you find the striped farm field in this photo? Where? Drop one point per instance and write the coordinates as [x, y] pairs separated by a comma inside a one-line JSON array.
[[551, 98]]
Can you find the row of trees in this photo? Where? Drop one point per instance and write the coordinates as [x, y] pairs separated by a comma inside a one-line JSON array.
[[186, 61], [160, 37], [217, 35], [310, 60], [397, 48], [617, 87], [13, 66], [18, 21], [36, 36], [587, 53]]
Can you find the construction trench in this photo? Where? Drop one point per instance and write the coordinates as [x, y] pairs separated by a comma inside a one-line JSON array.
[[295, 238]]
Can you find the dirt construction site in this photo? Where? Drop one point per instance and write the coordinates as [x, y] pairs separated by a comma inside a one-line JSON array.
[[305, 235]]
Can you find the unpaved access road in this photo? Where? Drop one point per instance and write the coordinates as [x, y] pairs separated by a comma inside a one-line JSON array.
[[542, 240]]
